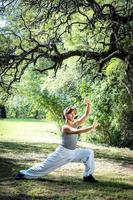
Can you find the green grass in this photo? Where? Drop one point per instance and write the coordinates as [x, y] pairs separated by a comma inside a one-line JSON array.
[[26, 142]]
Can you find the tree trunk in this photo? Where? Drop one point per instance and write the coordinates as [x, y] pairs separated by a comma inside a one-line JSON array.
[[36, 114], [127, 123], [129, 79], [2, 112]]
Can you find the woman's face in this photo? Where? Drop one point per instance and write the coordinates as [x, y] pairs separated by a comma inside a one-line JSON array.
[[70, 116]]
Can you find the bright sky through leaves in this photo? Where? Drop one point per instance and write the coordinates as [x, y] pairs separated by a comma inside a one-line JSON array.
[[3, 23]]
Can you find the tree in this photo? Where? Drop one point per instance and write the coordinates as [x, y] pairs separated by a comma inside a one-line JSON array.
[[97, 30], [46, 24], [2, 112]]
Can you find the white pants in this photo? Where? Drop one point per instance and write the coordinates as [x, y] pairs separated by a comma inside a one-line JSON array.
[[60, 157]]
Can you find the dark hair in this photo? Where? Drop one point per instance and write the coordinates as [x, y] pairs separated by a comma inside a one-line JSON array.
[[70, 109]]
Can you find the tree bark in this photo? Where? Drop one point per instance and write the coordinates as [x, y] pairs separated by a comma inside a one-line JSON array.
[[2, 112], [127, 122]]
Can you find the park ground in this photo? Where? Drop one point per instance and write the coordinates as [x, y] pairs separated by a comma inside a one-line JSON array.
[[24, 143]]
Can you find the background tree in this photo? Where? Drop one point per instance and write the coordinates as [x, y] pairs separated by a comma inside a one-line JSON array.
[[54, 31]]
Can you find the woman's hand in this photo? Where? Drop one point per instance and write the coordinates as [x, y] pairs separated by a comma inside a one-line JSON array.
[[95, 124], [87, 101]]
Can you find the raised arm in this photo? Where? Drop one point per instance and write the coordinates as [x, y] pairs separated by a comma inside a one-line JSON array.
[[70, 130], [79, 121]]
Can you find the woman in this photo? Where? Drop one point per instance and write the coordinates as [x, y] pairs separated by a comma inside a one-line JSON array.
[[67, 151]]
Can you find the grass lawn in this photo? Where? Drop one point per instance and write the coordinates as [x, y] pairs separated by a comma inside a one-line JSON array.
[[24, 143]]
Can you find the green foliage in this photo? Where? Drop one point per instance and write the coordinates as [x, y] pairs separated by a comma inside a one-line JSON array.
[[32, 100], [40, 96], [109, 103], [45, 96]]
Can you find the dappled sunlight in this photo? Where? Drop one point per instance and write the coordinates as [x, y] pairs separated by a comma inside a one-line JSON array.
[[109, 152], [25, 131], [113, 167]]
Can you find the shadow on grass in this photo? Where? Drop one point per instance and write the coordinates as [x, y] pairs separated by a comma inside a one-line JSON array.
[[61, 187], [77, 183], [16, 147], [119, 158], [28, 197], [8, 168], [67, 188]]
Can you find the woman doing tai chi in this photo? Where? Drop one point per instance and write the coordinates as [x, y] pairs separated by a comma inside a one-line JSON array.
[[67, 152]]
